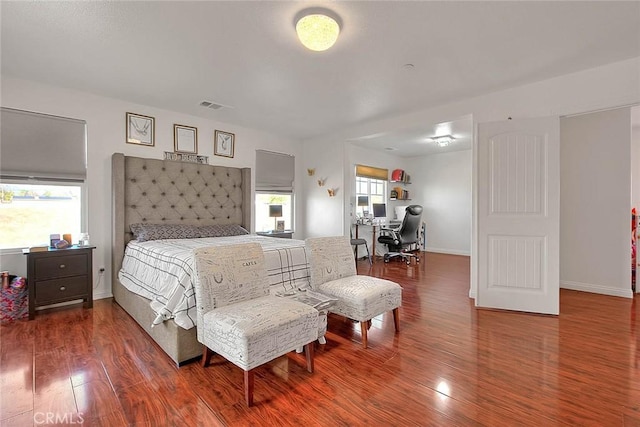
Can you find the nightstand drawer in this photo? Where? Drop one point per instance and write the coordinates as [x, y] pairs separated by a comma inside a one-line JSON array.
[[51, 291], [60, 266]]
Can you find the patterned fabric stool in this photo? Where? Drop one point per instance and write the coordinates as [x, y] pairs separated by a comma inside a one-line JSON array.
[[14, 300], [361, 298], [238, 319]]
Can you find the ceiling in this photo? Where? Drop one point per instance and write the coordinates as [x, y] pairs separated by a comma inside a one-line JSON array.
[[415, 141], [245, 55]]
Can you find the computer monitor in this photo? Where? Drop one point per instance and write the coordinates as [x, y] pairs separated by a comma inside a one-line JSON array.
[[363, 200], [379, 210]]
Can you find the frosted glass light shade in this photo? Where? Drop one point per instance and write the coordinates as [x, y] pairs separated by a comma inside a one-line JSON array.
[[317, 32]]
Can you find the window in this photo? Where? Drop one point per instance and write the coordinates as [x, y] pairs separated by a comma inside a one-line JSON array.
[[274, 191], [29, 213], [264, 222], [369, 190]]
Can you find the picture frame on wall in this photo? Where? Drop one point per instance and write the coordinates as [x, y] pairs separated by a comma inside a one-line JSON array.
[[223, 143], [141, 129], [185, 139]]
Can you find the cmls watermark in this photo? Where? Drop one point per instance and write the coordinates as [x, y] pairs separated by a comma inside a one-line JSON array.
[[43, 418]]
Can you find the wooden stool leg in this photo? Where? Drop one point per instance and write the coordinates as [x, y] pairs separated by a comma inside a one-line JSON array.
[[206, 356], [363, 328], [248, 387], [309, 353], [396, 318]]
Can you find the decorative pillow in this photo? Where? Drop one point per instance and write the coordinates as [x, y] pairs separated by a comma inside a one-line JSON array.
[[221, 230], [145, 232]]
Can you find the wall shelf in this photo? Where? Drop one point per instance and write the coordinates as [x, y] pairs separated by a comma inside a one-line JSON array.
[[401, 179]]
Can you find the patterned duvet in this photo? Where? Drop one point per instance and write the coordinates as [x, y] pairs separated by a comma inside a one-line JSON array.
[[162, 270]]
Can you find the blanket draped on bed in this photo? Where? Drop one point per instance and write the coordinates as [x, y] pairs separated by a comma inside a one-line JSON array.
[[163, 271]]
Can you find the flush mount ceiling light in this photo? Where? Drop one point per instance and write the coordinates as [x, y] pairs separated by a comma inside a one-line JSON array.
[[317, 30], [442, 140]]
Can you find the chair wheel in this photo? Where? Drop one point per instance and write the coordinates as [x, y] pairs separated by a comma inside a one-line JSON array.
[[417, 259], [408, 262], [386, 260]]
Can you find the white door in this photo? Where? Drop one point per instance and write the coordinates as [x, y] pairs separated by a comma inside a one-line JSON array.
[[519, 215]]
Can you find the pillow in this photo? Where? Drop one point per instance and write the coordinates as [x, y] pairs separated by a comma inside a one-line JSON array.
[[145, 232], [221, 230]]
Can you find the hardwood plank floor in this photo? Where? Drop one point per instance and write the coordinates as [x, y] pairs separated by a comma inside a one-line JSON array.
[[451, 364]]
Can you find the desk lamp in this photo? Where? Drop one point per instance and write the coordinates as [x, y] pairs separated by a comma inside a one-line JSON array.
[[275, 212]]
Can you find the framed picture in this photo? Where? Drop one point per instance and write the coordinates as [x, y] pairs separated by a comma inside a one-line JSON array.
[[141, 129], [185, 139], [223, 143], [280, 226]]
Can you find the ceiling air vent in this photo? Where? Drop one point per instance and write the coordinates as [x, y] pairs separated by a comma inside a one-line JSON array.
[[212, 105]]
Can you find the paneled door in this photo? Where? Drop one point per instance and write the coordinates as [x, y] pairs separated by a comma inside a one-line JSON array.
[[519, 215]]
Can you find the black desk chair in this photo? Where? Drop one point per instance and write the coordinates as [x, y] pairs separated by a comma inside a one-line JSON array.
[[357, 242], [404, 239]]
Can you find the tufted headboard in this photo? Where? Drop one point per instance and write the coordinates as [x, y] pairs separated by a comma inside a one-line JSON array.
[[170, 192]]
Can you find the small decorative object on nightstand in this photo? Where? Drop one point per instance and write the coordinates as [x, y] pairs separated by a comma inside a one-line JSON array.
[[59, 275]]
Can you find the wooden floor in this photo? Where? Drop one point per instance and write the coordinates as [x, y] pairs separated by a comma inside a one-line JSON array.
[[450, 365]]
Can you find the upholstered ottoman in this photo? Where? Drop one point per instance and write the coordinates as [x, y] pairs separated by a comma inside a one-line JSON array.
[[253, 332]]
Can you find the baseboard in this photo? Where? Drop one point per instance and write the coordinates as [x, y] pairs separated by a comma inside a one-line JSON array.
[[447, 251], [102, 295], [596, 289]]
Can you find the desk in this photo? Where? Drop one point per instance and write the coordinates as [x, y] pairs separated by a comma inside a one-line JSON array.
[[421, 244], [373, 238]]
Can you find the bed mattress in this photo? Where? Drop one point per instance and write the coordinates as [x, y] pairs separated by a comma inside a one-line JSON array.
[[162, 271]]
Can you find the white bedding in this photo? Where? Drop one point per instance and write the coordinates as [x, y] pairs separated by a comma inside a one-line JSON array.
[[161, 270]]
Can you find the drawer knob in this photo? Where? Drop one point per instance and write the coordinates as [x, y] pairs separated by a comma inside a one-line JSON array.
[[62, 288], [62, 266]]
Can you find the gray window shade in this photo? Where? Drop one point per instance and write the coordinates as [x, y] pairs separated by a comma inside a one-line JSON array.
[[274, 171], [34, 145]]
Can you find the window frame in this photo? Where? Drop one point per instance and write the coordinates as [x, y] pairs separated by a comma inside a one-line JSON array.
[[293, 216], [369, 181], [84, 204]]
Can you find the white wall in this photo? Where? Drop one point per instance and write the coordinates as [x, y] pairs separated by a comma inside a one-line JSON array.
[[323, 214], [105, 119], [442, 184], [608, 86], [635, 158], [595, 206]]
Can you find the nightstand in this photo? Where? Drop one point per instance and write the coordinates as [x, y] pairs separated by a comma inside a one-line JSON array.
[[59, 275]]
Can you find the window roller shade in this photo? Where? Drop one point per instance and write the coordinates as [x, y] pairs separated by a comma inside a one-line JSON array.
[[41, 146], [275, 172], [372, 172]]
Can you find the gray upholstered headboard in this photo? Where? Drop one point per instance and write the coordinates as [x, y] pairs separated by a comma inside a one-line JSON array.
[[170, 192]]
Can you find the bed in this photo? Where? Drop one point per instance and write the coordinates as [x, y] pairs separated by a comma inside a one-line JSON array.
[[168, 192]]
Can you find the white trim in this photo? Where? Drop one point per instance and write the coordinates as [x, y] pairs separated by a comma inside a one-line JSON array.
[[84, 206], [596, 289], [447, 251], [102, 295]]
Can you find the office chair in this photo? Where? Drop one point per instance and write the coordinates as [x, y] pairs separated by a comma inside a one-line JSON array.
[[357, 242], [400, 241]]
